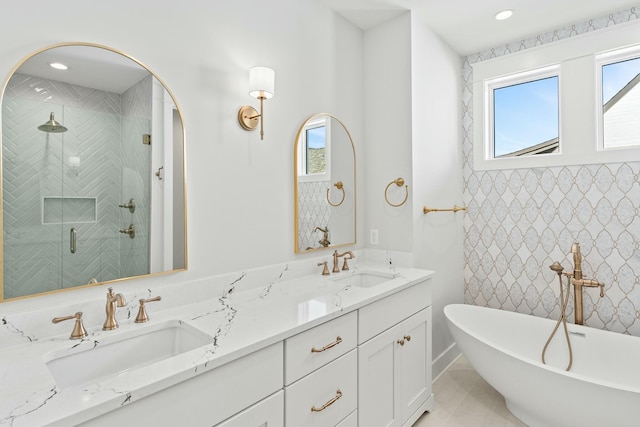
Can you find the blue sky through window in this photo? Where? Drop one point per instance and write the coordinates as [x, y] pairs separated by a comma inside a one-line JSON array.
[[316, 137], [525, 114], [616, 76]]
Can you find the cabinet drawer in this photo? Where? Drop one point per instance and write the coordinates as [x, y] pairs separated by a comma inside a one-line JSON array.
[[268, 413], [333, 387], [208, 398], [383, 314], [316, 347], [350, 421]]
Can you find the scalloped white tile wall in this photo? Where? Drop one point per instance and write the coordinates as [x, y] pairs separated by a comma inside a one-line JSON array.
[[519, 221]]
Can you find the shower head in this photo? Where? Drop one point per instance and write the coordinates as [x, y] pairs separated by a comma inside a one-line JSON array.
[[556, 267], [52, 126]]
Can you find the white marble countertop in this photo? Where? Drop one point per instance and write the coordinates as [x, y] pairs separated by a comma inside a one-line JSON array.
[[241, 322]]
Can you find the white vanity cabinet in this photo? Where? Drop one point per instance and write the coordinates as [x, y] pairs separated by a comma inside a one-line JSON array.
[[394, 359]]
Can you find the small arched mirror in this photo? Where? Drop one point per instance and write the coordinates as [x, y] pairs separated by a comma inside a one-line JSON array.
[[325, 184], [93, 185]]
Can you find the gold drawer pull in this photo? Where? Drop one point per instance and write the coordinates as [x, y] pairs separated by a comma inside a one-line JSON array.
[[329, 403], [401, 342], [407, 337], [327, 347]]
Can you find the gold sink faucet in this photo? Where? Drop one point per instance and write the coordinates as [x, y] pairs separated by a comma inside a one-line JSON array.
[[345, 266], [112, 299], [579, 282], [324, 242]]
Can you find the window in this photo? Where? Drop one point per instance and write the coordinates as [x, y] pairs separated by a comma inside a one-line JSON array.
[[314, 154], [619, 78], [526, 115], [592, 121]]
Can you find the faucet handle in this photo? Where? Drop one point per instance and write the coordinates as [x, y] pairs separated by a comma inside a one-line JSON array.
[[79, 331], [345, 266], [325, 270], [142, 312]]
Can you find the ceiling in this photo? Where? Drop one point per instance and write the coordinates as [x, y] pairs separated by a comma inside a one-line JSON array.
[[89, 66], [468, 26]]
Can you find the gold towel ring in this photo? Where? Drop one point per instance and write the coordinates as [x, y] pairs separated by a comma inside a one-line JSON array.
[[339, 186], [399, 182]]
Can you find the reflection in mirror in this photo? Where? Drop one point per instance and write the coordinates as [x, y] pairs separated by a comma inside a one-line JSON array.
[[102, 200], [325, 184], [525, 118], [621, 103]]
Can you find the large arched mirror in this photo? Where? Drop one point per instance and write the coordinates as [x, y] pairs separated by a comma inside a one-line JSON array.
[[93, 179], [325, 184]]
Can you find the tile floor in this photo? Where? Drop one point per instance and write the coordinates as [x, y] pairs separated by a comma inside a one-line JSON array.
[[464, 399]]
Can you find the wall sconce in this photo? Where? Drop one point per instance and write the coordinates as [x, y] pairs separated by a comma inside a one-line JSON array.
[[261, 86]]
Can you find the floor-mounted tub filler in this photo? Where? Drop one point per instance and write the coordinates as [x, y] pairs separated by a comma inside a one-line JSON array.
[[601, 389]]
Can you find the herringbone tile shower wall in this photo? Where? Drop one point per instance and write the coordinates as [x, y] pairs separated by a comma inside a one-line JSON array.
[[37, 166]]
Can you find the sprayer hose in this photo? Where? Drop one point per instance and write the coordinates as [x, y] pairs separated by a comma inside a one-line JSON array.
[[563, 319]]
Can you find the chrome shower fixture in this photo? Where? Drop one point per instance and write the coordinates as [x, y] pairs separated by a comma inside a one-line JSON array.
[[52, 126]]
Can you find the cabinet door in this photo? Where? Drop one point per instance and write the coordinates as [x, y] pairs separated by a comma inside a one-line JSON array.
[[416, 372], [378, 381]]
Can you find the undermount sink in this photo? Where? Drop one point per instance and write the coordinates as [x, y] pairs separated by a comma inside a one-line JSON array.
[[364, 278], [112, 356]]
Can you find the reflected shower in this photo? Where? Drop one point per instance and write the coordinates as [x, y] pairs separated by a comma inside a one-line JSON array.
[[52, 126]]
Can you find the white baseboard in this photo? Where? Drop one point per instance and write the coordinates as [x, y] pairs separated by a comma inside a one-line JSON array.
[[444, 360]]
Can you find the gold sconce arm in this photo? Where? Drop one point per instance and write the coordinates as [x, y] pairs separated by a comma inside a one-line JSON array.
[[339, 186], [455, 208], [399, 182]]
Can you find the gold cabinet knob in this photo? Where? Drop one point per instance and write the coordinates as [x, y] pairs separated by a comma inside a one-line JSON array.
[[407, 337], [401, 342]]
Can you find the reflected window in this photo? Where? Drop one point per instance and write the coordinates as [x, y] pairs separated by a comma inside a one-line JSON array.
[[314, 155], [315, 149], [620, 101], [526, 115]]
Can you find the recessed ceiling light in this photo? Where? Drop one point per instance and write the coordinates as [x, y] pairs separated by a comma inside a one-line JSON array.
[[504, 14], [58, 66]]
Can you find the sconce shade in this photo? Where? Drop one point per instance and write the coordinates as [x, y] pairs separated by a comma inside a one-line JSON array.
[[261, 82]]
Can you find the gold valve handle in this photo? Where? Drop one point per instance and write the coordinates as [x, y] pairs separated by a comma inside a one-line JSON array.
[[79, 331], [142, 312], [328, 346], [329, 403]]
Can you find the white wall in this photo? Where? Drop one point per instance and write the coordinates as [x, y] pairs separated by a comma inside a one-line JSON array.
[[437, 177], [387, 132], [240, 189], [240, 203], [412, 130]]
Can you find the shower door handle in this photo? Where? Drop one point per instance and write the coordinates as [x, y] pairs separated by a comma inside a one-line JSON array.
[[73, 240]]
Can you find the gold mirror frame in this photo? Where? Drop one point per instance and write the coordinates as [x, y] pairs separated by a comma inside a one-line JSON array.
[[180, 244], [337, 193]]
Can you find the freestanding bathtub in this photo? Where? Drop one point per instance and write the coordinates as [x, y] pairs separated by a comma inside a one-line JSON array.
[[601, 390]]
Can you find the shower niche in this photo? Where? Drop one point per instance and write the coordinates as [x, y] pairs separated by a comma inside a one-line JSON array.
[[65, 182]]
